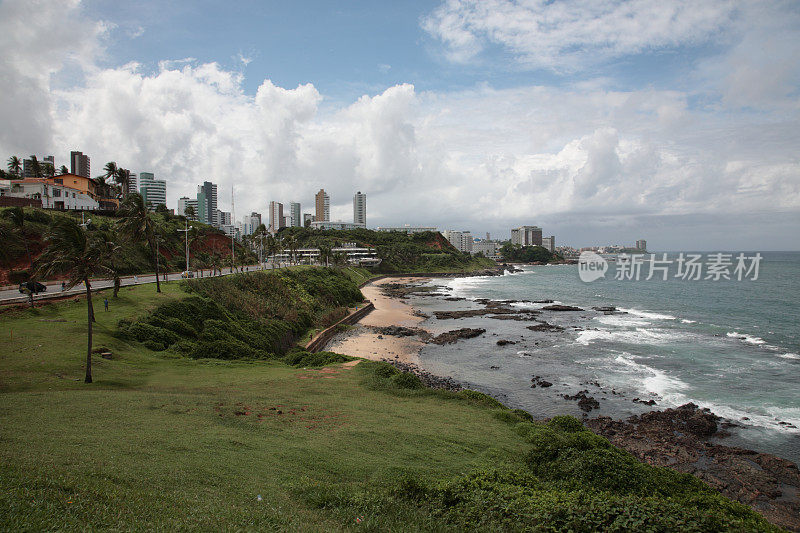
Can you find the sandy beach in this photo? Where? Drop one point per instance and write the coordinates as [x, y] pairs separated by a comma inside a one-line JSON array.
[[363, 341]]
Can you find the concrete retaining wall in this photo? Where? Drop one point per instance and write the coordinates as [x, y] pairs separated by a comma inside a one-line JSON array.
[[322, 338]]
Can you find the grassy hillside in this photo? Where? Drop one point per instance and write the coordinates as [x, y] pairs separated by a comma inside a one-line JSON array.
[[418, 252], [208, 243], [164, 441]]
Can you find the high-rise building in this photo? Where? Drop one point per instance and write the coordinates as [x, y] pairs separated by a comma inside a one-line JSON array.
[[153, 191], [308, 218], [132, 183], [185, 202], [360, 208], [251, 223], [79, 164], [224, 218], [549, 243], [294, 213], [287, 221], [461, 240], [641, 245], [323, 205], [276, 220], [28, 170], [527, 236], [207, 203]]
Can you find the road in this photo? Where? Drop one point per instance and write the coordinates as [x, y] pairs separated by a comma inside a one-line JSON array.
[[9, 295]]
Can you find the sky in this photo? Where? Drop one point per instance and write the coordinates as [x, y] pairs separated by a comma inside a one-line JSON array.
[[602, 122]]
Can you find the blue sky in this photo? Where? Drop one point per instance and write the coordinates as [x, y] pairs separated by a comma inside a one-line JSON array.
[[603, 122]]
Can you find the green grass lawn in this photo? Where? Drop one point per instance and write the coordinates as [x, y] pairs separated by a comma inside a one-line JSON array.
[[164, 442], [159, 442]]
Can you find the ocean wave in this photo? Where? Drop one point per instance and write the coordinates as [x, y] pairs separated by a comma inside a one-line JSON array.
[[672, 392], [622, 320], [750, 339], [790, 355], [648, 314], [687, 321], [634, 336]]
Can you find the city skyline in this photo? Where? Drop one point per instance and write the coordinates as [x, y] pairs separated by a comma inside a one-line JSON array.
[[687, 126]]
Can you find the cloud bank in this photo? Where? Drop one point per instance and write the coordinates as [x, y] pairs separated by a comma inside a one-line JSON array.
[[588, 163]]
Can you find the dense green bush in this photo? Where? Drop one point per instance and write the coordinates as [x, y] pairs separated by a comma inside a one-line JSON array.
[[302, 358], [406, 380]]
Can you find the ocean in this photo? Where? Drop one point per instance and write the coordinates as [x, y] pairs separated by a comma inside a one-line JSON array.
[[732, 346]]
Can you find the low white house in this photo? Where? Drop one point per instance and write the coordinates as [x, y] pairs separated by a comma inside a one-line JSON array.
[[53, 196]]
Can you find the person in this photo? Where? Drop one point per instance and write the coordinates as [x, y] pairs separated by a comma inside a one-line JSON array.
[[135, 279], [63, 286], [105, 302]]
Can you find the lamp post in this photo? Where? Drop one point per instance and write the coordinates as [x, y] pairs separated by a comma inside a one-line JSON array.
[[185, 232]]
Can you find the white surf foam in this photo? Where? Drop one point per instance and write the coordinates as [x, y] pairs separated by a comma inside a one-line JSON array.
[[648, 314], [622, 320], [687, 321], [790, 355], [631, 336], [750, 339]]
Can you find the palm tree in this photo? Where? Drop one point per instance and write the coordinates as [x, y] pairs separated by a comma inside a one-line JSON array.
[[9, 236], [108, 241], [188, 212], [291, 244], [138, 225], [76, 252], [48, 170], [324, 253], [339, 259], [15, 165], [63, 170], [110, 169], [36, 167], [16, 215], [123, 179]]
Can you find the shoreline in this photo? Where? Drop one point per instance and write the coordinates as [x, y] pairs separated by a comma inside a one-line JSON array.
[[687, 438]]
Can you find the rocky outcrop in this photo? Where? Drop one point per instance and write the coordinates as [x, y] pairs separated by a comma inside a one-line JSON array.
[[452, 336], [544, 326], [585, 402], [679, 439], [537, 381], [503, 342], [559, 307]]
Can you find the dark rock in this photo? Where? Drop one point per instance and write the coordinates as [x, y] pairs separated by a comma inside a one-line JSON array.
[[559, 307], [585, 402], [452, 336], [645, 402], [678, 439], [503, 342], [544, 326]]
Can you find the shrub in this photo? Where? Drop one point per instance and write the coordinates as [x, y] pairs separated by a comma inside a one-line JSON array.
[[481, 399], [407, 380], [384, 370]]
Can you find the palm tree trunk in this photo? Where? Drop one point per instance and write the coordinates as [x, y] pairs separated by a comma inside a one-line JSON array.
[[88, 378], [155, 262], [117, 283]]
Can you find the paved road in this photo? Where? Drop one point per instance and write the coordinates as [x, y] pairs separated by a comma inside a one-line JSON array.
[[12, 295]]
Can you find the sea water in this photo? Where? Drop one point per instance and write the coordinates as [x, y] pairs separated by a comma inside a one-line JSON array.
[[732, 346]]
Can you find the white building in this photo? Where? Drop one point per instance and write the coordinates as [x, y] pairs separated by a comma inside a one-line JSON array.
[[549, 243], [461, 240], [308, 218], [153, 191], [52, 195], [276, 220], [183, 203], [360, 208], [287, 221], [251, 223], [224, 218], [527, 236], [488, 248], [408, 229], [325, 224]]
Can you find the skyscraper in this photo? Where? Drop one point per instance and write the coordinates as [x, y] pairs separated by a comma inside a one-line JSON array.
[[185, 202], [276, 220], [360, 208], [294, 213], [79, 164], [207, 203], [527, 236], [153, 191], [323, 205]]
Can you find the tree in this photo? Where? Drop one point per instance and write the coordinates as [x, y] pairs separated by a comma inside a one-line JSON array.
[[324, 254], [188, 212], [123, 178], [78, 253], [15, 165], [16, 215], [339, 259], [108, 241], [48, 170], [36, 167], [9, 236], [63, 170], [271, 246], [137, 224]]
